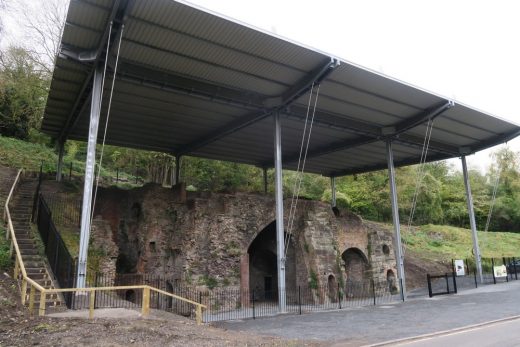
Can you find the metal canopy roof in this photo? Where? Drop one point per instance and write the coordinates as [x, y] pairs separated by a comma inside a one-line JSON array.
[[191, 82]]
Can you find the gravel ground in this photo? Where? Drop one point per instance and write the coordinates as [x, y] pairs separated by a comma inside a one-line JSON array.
[[17, 328]]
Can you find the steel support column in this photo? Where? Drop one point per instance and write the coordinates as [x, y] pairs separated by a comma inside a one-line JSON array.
[[473, 224], [398, 250], [59, 165], [95, 109], [333, 190], [280, 247]]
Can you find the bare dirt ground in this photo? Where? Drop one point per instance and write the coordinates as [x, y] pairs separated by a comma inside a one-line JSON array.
[[416, 269], [17, 328]]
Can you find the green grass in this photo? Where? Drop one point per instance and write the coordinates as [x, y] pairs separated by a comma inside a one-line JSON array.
[[21, 154], [440, 242]]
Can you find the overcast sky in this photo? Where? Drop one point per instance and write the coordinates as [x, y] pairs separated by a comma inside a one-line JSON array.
[[467, 50]]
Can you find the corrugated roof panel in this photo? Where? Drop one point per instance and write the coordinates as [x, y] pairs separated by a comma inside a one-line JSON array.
[[478, 119], [391, 89], [215, 29], [365, 99], [218, 55], [224, 70], [200, 70]]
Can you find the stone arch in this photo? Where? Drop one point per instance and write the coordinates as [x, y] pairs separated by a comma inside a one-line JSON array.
[[356, 264], [332, 286], [391, 281], [261, 271]]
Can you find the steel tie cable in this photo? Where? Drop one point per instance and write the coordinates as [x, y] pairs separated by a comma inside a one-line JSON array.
[[107, 118], [299, 158], [303, 168]]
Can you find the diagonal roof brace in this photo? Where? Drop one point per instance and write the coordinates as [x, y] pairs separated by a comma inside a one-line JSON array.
[[419, 119], [390, 132], [272, 104]]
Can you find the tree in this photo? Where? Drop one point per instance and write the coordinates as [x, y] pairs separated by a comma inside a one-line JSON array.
[[23, 93], [43, 22]]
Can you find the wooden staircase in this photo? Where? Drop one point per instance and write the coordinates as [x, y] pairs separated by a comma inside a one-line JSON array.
[[33, 256]]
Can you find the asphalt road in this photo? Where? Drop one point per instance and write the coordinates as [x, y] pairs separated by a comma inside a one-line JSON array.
[[376, 324], [503, 334]]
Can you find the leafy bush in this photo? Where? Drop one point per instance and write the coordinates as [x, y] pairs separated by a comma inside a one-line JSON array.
[[5, 260], [313, 281]]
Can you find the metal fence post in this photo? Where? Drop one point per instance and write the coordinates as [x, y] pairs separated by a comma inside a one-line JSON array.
[[493, 270], [507, 272], [254, 304], [373, 290], [429, 285], [339, 297], [454, 282], [514, 267], [475, 276], [299, 300], [401, 287]]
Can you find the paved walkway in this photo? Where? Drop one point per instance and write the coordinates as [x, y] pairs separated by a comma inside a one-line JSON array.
[[375, 324], [498, 334]]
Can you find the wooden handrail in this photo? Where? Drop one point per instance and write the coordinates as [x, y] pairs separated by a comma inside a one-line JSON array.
[[6, 208], [20, 267], [14, 243], [177, 297]]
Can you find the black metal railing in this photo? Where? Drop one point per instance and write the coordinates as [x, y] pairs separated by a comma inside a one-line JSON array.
[[442, 287], [494, 271], [231, 303], [66, 210], [61, 262]]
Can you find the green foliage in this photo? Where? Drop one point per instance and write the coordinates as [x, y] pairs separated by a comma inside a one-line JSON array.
[[21, 154], [208, 281], [5, 259], [23, 93], [313, 281]]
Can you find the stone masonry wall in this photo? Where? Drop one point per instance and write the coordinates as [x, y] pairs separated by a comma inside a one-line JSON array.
[[203, 239]]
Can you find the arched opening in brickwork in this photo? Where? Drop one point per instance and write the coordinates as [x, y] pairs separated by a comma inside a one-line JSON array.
[[263, 275], [391, 280], [386, 250], [356, 265], [333, 288]]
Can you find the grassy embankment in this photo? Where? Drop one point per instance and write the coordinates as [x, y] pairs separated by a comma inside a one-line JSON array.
[[442, 242]]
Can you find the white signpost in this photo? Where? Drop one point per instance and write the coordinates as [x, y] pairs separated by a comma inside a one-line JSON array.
[[459, 267]]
